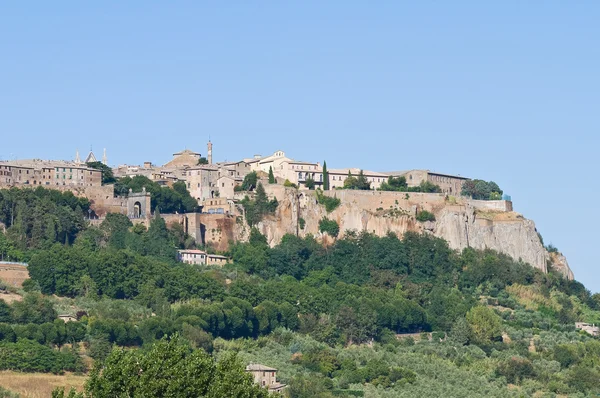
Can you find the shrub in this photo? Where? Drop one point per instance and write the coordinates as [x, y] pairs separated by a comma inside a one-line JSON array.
[[424, 215], [330, 227], [330, 203], [301, 223], [288, 184]]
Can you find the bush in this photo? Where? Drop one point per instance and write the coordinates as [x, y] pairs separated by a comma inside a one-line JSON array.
[[301, 223], [330, 203], [288, 184], [424, 216], [330, 227]]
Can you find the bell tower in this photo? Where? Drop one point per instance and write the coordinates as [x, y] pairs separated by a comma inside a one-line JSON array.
[[209, 152]]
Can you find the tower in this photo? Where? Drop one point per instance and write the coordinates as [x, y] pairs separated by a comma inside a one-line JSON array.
[[209, 152], [77, 158], [104, 160]]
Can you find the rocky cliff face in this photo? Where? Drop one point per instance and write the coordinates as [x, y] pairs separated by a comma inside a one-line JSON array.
[[462, 223]]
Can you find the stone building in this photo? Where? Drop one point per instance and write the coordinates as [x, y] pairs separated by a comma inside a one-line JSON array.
[[197, 257], [589, 329], [200, 257], [298, 172], [184, 159], [265, 377], [450, 184], [201, 181], [48, 173]]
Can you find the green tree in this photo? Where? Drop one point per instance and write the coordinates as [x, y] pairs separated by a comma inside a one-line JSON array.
[[107, 173], [394, 184], [271, 176], [485, 325], [331, 227], [202, 161], [309, 183], [325, 177], [170, 369], [250, 181]]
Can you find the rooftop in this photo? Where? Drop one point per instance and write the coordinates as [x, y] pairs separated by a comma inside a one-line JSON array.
[[254, 367], [355, 171]]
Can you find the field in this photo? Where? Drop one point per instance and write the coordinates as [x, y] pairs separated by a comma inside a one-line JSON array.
[[38, 385]]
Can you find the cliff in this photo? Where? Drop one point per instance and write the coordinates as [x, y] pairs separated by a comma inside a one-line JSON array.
[[461, 222]]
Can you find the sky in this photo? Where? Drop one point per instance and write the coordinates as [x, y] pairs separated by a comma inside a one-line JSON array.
[[506, 91]]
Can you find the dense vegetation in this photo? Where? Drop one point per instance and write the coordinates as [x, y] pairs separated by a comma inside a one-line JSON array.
[[326, 317], [255, 209], [482, 190], [175, 199], [107, 173], [399, 184]]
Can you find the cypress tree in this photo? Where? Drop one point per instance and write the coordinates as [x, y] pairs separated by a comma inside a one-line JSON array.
[[325, 177], [271, 176]]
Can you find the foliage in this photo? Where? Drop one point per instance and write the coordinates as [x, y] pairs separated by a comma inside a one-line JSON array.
[[288, 184], [359, 182], [169, 369], [256, 209], [330, 227], [309, 183], [202, 161], [250, 181], [481, 190], [330, 202], [175, 199], [301, 223], [394, 184], [425, 215], [271, 176], [485, 325], [107, 173], [39, 218], [29, 356], [325, 177]]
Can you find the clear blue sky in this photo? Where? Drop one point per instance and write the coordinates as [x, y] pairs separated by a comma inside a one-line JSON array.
[[508, 91]]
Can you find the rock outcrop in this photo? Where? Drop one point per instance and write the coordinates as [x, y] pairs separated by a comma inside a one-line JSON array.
[[461, 222]]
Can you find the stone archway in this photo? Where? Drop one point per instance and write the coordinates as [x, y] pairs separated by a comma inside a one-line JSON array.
[[137, 210]]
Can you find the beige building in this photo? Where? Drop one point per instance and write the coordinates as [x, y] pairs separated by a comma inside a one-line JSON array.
[[265, 377], [48, 173], [226, 186], [338, 176], [298, 172], [589, 329], [200, 257], [201, 181], [450, 184], [184, 159], [192, 256]]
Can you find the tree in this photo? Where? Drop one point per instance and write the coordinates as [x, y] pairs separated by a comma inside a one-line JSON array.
[[360, 182], [170, 369], [481, 190], [107, 173], [394, 184], [485, 324], [309, 183], [325, 177], [250, 181], [330, 227], [271, 176], [202, 161]]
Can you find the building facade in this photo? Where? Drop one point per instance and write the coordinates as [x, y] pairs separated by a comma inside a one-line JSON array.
[[449, 184], [48, 173], [265, 376]]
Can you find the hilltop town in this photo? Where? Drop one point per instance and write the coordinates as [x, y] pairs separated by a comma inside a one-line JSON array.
[[371, 201]]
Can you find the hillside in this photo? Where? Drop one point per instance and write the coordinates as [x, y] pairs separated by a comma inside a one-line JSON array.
[[398, 315], [461, 222]]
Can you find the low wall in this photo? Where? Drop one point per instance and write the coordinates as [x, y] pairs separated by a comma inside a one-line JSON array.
[[492, 205]]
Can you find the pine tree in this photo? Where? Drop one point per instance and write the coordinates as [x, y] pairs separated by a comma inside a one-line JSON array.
[[325, 177], [271, 176]]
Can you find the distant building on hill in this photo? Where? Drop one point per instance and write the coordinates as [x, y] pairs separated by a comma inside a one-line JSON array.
[[586, 327], [265, 377], [48, 173], [449, 184], [200, 257]]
